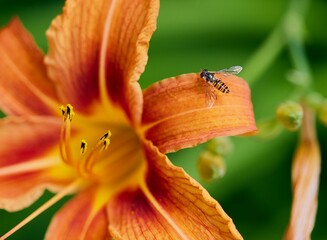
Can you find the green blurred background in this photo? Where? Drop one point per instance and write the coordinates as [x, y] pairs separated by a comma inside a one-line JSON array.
[[194, 34]]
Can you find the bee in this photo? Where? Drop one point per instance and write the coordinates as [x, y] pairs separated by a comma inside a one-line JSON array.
[[213, 82]]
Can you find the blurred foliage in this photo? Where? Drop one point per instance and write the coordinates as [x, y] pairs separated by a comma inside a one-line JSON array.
[[192, 35]]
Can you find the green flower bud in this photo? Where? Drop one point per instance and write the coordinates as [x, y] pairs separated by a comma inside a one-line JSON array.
[[220, 145], [322, 112], [211, 166], [290, 115]]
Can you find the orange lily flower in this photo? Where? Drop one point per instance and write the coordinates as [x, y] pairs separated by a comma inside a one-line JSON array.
[[305, 180], [129, 190]]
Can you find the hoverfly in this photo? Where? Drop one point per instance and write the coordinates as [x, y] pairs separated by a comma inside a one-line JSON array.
[[213, 82]]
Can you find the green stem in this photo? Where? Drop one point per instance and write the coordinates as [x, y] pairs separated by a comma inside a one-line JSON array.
[[294, 27], [264, 56], [290, 32]]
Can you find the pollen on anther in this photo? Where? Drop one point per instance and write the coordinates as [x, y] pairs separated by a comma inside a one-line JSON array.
[[105, 136], [106, 143], [62, 109], [67, 112], [83, 146]]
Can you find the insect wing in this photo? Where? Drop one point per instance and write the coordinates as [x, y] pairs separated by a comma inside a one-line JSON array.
[[232, 70], [210, 96]]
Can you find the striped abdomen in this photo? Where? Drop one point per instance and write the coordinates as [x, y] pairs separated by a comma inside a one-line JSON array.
[[220, 86]]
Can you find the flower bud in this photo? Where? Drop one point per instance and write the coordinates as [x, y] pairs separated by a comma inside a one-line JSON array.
[[220, 145], [211, 166], [322, 112], [290, 115]]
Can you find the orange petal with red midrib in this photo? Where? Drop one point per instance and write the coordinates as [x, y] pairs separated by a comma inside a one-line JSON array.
[[96, 49], [27, 138], [25, 163], [180, 208], [24, 86], [132, 217], [80, 219], [20, 190], [74, 50], [131, 27], [176, 116]]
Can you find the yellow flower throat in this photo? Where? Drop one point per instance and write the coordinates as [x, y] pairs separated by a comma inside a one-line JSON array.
[[96, 165], [85, 164]]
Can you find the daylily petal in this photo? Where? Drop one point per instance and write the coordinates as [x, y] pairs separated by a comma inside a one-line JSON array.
[[132, 217], [24, 85], [305, 179], [175, 114], [74, 48], [25, 163], [189, 211], [27, 138], [19, 190], [79, 219], [93, 41], [128, 42]]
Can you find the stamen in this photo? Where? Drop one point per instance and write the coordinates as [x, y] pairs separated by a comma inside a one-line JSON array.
[[67, 112], [106, 143], [106, 135], [62, 148], [62, 109], [65, 149], [83, 146], [86, 166]]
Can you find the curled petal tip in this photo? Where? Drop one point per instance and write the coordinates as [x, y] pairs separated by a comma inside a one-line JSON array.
[[305, 181]]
